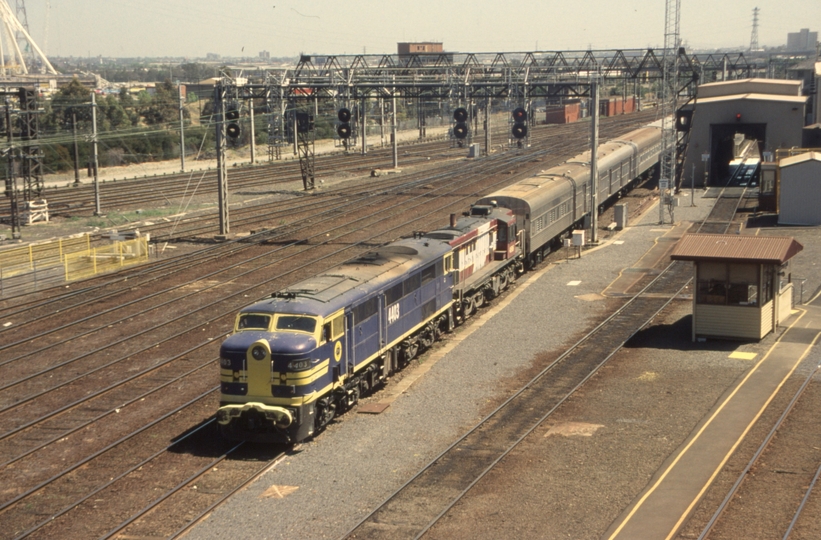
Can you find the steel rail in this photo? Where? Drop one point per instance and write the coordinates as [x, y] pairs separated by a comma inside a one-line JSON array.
[[801, 506], [171, 492], [102, 415], [746, 470], [78, 464], [114, 479]]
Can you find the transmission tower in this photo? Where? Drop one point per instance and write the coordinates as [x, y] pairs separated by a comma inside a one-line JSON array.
[[754, 35], [672, 41], [15, 38]]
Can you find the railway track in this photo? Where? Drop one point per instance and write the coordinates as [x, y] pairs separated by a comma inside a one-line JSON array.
[[75, 409], [733, 494], [427, 497]]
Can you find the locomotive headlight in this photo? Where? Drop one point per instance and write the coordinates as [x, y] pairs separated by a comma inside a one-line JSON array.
[[299, 365], [258, 352]]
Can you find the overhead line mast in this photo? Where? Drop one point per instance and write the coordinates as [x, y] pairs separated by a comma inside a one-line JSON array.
[[672, 42]]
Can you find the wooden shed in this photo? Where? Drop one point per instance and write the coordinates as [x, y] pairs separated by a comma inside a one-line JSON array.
[[743, 286]]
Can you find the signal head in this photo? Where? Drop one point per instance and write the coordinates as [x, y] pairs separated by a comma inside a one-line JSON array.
[[460, 114], [460, 130]]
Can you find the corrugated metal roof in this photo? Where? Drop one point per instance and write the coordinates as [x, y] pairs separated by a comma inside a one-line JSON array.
[[735, 248]]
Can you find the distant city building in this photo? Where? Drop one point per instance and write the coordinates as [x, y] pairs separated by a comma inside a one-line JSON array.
[[265, 55], [425, 52], [802, 41], [425, 47], [213, 57]]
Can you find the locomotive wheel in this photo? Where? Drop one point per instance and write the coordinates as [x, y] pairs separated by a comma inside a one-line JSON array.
[[428, 335], [410, 351], [504, 281], [325, 412], [479, 299], [469, 307]]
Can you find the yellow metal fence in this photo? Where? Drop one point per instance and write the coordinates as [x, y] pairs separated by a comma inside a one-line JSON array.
[[106, 258], [19, 260], [69, 259]]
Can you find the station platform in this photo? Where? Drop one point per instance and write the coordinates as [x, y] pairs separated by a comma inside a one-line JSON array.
[[662, 508]]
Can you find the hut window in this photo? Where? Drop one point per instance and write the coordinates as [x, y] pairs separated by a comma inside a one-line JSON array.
[[728, 284]]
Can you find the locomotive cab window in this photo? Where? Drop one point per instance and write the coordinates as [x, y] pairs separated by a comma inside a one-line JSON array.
[[448, 261], [296, 323], [333, 328], [249, 321]]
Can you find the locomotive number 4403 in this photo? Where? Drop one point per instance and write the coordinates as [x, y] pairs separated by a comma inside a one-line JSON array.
[[393, 313]]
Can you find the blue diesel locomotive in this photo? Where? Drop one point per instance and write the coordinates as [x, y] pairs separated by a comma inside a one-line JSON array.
[[299, 358]]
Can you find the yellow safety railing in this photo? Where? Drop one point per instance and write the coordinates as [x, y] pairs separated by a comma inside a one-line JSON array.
[[19, 260], [106, 258]]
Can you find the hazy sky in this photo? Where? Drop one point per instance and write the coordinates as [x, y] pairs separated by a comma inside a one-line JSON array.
[[128, 28]]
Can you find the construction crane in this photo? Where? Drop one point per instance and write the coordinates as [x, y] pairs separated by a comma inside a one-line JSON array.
[[22, 49]]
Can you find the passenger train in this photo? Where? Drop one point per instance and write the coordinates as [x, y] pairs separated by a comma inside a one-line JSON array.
[[310, 351]]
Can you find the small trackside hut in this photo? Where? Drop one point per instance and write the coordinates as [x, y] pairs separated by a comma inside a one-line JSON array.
[[743, 287]]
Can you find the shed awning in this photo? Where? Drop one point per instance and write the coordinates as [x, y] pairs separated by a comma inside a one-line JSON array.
[[735, 248]]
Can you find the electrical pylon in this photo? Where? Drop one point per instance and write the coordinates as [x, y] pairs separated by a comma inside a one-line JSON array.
[[754, 35]]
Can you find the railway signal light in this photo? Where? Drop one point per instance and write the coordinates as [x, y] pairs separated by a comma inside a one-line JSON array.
[[738, 117], [519, 130], [344, 129], [460, 130], [232, 130]]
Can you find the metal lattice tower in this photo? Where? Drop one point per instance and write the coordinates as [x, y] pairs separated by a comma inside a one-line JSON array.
[[13, 34], [669, 84], [20, 10], [754, 35]]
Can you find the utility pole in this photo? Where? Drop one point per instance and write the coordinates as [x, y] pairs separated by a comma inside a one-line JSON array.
[[488, 108], [94, 162], [182, 127], [76, 147], [393, 127], [364, 115], [222, 172], [11, 179], [253, 136], [594, 162]]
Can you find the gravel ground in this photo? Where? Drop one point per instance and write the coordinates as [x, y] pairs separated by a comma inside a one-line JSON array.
[[337, 479]]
